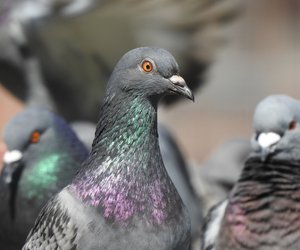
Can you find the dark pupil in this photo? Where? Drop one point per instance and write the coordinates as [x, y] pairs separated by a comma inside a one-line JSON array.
[[147, 66]]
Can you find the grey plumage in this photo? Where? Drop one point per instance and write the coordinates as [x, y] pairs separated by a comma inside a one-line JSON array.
[[85, 132], [122, 191], [263, 207], [177, 168], [218, 174]]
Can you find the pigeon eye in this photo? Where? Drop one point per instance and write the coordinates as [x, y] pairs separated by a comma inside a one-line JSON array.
[[35, 137], [147, 66], [292, 125]]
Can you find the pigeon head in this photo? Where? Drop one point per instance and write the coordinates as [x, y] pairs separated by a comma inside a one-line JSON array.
[[276, 123], [22, 135], [148, 72], [37, 142]]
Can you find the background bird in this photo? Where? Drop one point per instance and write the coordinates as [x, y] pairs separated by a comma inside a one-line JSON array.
[[42, 156], [178, 170], [123, 189], [262, 211], [216, 176], [49, 30]]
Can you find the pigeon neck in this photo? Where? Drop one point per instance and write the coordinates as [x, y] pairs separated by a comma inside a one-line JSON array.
[[126, 123], [124, 176], [270, 171], [261, 180]]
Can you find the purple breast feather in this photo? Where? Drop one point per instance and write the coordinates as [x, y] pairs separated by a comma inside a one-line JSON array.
[[121, 200]]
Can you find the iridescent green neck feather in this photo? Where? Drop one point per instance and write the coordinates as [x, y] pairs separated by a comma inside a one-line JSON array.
[[51, 164], [126, 129], [124, 175]]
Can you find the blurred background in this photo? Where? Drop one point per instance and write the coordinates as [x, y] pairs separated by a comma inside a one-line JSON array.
[[60, 53]]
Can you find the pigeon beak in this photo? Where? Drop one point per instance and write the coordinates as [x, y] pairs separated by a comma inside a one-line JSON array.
[[266, 141], [12, 161], [179, 86]]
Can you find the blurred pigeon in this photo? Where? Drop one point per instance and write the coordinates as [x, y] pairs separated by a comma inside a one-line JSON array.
[[195, 31], [85, 132], [217, 175], [2, 152], [23, 77], [123, 191], [20, 69], [262, 210], [42, 156], [177, 169]]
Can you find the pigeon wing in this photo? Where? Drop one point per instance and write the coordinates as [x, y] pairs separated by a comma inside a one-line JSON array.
[[53, 228]]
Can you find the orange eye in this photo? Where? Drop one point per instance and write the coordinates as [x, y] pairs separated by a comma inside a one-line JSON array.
[[35, 137], [147, 66]]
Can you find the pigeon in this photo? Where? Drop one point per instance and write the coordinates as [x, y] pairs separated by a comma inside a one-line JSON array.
[[20, 68], [122, 197], [42, 156], [262, 211]]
